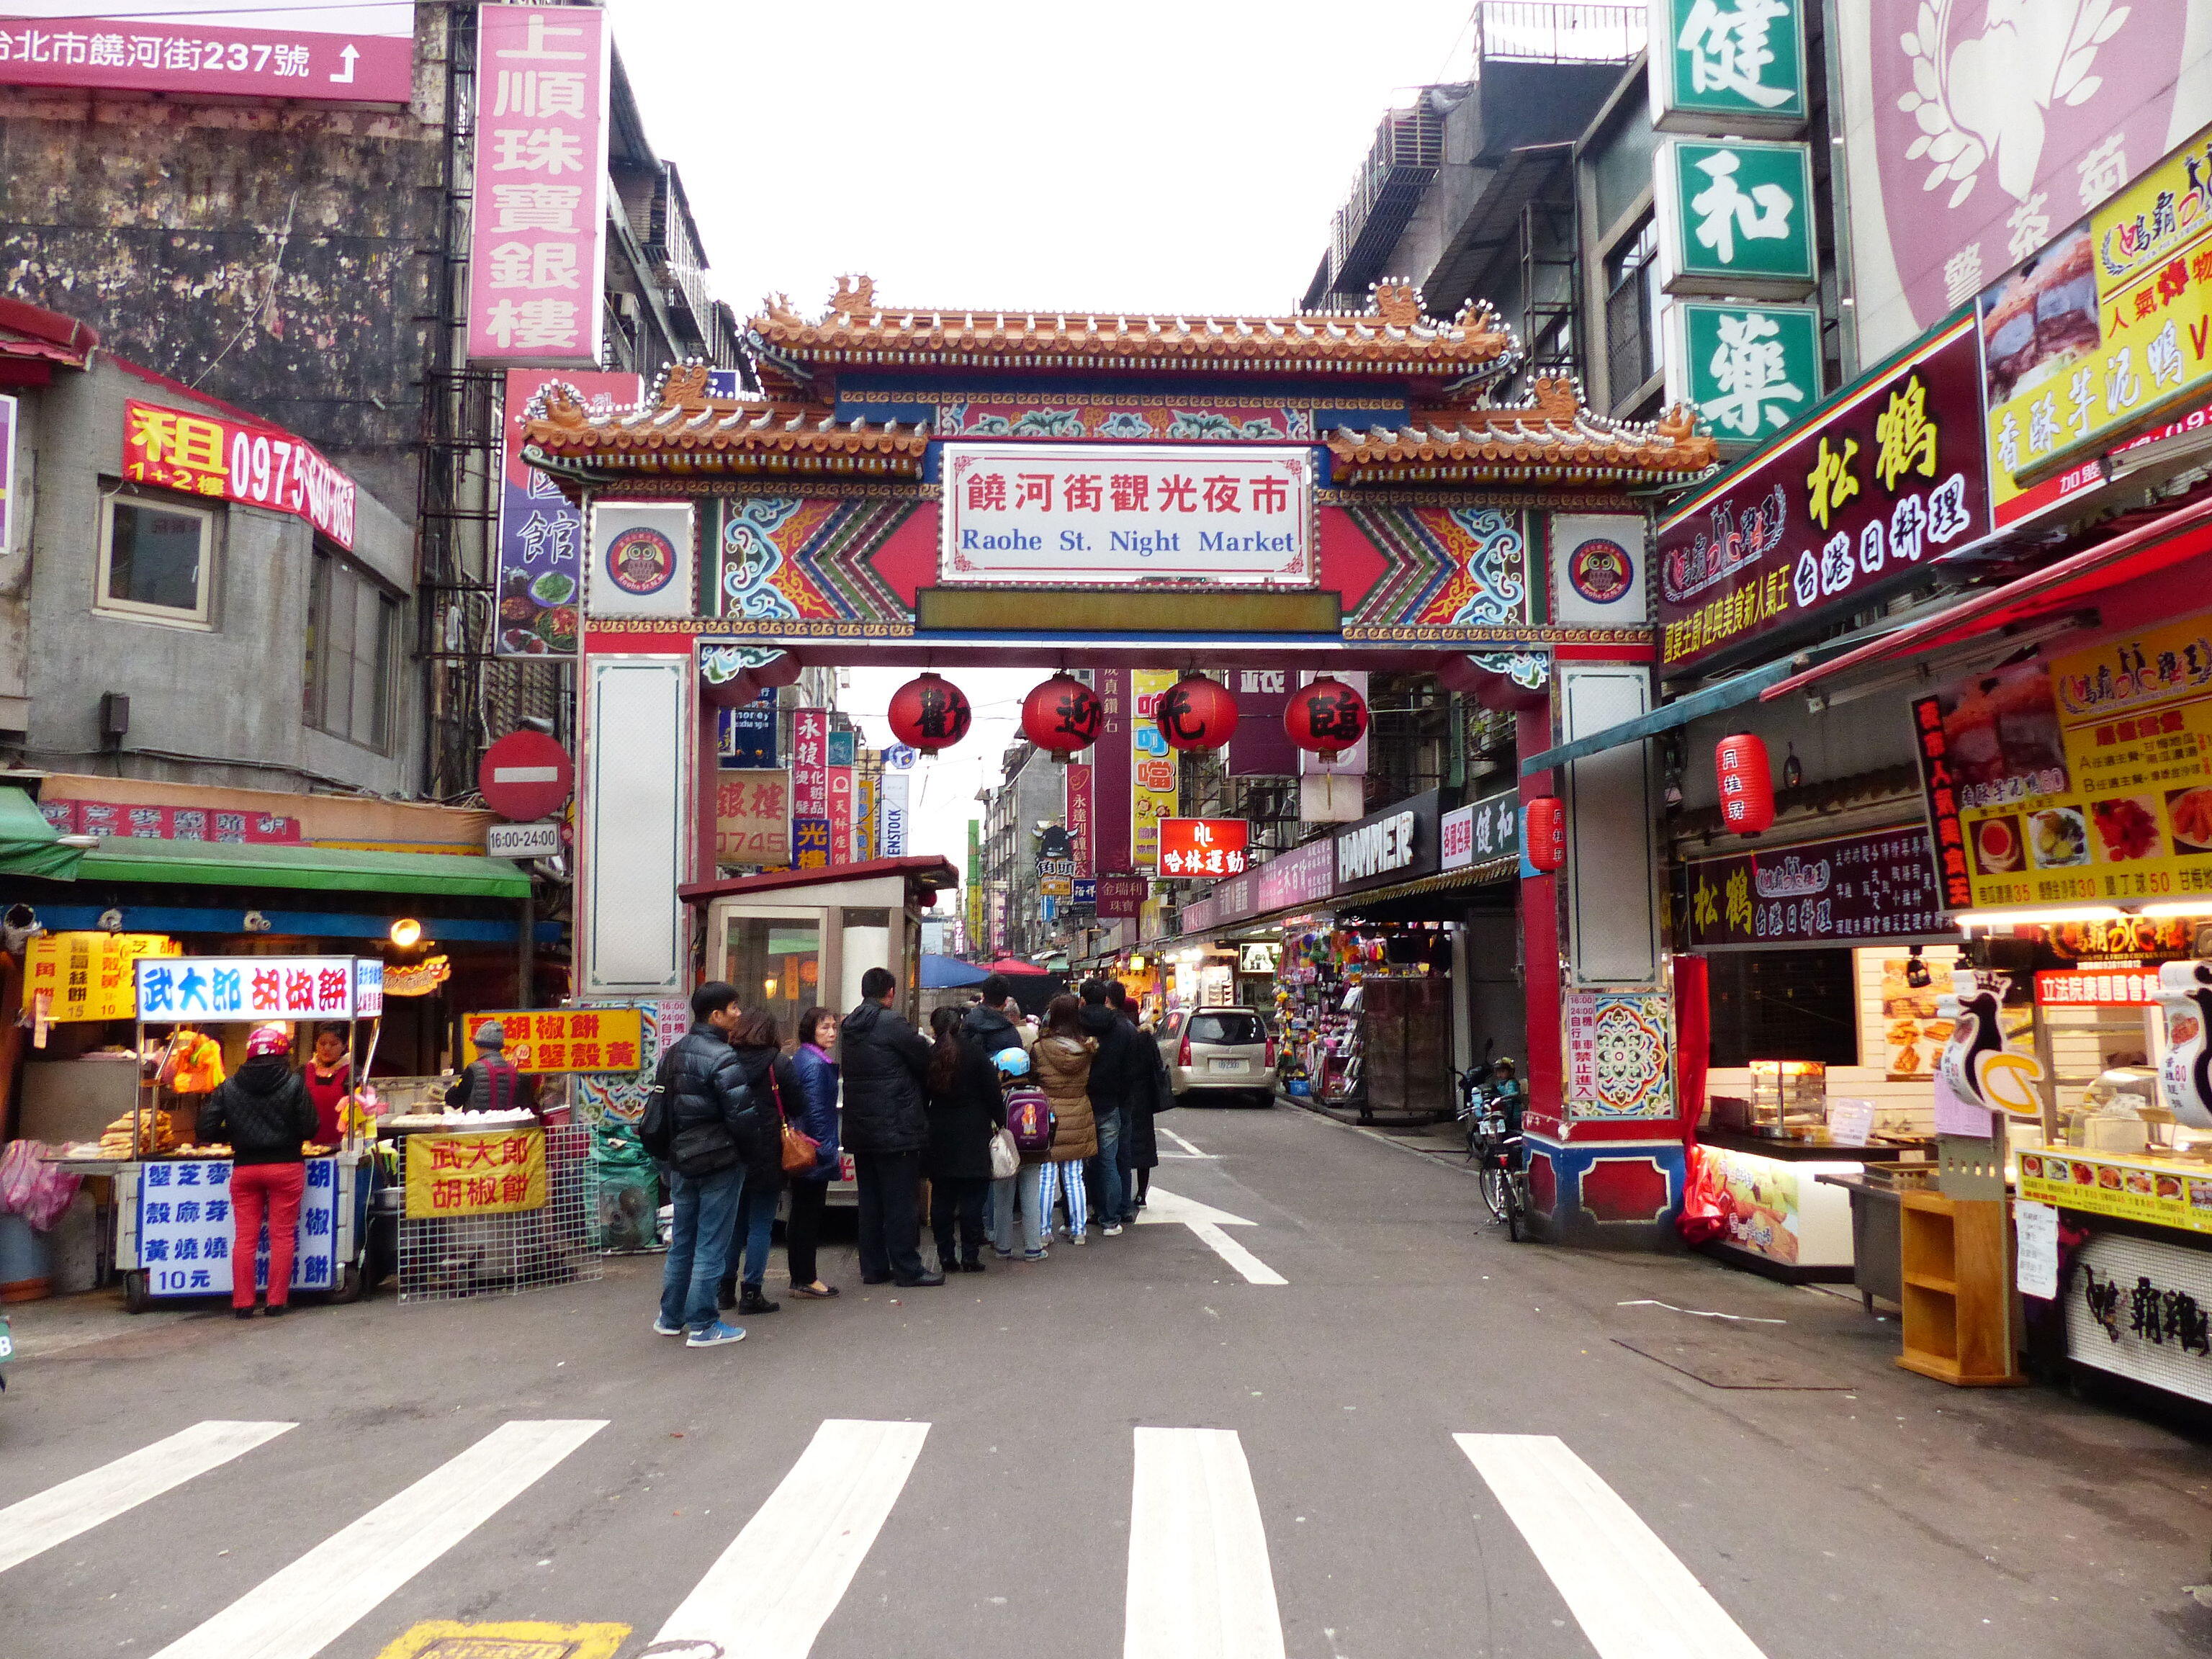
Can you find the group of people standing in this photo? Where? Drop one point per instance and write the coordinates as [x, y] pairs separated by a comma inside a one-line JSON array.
[[734, 1117]]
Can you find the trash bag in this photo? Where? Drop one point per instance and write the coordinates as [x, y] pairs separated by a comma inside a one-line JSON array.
[[1705, 1201], [32, 1188], [630, 1189]]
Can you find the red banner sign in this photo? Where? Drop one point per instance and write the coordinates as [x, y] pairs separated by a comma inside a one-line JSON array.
[[1204, 847], [2098, 987], [252, 465]]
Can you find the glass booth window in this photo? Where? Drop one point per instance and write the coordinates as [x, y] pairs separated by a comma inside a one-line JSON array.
[[775, 963]]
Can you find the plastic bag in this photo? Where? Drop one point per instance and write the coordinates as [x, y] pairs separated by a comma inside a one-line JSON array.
[[32, 1188]]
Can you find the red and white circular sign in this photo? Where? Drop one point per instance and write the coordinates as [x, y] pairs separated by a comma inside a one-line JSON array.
[[525, 776]]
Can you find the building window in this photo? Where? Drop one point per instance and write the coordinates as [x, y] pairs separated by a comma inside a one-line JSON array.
[[353, 632], [1631, 310], [156, 560]]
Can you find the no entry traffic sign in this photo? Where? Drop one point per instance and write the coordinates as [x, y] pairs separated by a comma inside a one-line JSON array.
[[526, 775]]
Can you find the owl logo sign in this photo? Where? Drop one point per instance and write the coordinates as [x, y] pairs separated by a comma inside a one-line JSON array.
[[640, 562], [1600, 570]]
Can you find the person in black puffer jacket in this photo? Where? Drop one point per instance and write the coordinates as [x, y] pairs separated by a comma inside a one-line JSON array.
[[262, 1111], [1115, 1072], [706, 1090], [885, 1128], [995, 1024], [774, 1084], [966, 1108]]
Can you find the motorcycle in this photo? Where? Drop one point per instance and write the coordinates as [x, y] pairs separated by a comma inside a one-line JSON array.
[[7, 1352]]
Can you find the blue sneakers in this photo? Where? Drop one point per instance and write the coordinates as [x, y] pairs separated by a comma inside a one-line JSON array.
[[715, 1336]]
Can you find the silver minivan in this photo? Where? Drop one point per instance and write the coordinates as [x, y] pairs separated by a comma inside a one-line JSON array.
[[1217, 1053]]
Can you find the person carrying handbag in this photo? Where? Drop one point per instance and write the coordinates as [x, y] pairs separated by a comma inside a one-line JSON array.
[[759, 1048], [966, 1110], [813, 1115]]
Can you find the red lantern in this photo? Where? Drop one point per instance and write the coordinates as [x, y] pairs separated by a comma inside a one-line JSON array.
[[1196, 713], [930, 713], [1746, 782], [1063, 716], [1328, 717], [1543, 838]]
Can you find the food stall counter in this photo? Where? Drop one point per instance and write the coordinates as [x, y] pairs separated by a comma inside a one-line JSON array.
[[1783, 1217]]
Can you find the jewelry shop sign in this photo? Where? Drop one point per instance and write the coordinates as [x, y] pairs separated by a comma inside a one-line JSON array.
[[1027, 514]]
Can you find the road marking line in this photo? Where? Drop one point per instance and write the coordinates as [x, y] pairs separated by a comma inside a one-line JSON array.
[[1189, 1151], [60, 1513], [1199, 1584], [1633, 1598], [1165, 1209], [773, 1589], [303, 1608]]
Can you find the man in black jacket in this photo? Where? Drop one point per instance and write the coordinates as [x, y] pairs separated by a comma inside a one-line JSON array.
[[989, 1025], [707, 1092], [1116, 1070], [885, 1127]]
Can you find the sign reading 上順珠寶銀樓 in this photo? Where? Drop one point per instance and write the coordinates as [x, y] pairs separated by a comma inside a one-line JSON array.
[[1736, 218], [1728, 67], [1076, 514]]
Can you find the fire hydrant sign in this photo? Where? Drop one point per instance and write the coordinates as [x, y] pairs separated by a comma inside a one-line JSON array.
[[1099, 513], [496, 1173], [197, 989]]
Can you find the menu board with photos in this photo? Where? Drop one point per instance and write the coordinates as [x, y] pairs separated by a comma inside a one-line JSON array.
[[2088, 778]]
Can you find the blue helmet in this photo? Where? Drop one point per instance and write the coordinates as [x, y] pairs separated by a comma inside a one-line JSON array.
[[1014, 1062]]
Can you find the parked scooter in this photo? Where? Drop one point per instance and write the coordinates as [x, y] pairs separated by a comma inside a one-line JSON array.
[[7, 1352]]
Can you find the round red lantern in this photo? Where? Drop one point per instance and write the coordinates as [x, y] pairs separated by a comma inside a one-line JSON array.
[[1746, 783], [1328, 717], [1063, 716], [930, 713], [1544, 834], [1196, 713]]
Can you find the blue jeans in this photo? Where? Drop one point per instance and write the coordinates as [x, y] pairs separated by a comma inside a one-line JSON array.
[[1106, 1167], [698, 1245], [752, 1230], [1025, 1189]]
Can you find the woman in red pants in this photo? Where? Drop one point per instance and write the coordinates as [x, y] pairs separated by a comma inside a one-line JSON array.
[[263, 1111]]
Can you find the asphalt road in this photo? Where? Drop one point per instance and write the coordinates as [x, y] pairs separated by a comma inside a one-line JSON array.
[[1013, 1465]]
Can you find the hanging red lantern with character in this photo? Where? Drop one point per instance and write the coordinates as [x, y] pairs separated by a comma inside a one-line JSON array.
[[929, 712], [1063, 716], [1196, 713], [1327, 717], [1544, 836], [1747, 784]]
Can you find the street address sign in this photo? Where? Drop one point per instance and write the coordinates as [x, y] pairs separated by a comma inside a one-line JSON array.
[[525, 775], [523, 841]]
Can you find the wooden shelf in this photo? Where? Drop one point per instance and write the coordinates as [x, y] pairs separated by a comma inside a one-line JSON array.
[[1928, 1282], [1958, 1290]]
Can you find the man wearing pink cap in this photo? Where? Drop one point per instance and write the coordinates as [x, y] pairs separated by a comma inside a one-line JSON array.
[[263, 1112]]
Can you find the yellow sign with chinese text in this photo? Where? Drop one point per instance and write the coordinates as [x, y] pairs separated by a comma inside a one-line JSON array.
[[544, 1041], [1153, 776], [89, 974], [498, 1173], [2168, 1192]]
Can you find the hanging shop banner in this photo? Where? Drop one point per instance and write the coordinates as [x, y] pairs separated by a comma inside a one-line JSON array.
[[1480, 831], [1750, 370], [2168, 1192], [1029, 514], [1848, 890], [1736, 218], [1727, 69], [1841, 510], [453, 1177], [2087, 778], [541, 536], [752, 818], [236, 461], [867, 813], [538, 241], [1304, 875], [1204, 847], [841, 812], [542, 1041], [642, 555], [746, 737], [1121, 898], [896, 813], [1394, 845], [140, 821], [1112, 801], [1153, 774], [184, 990], [810, 789], [185, 1229], [88, 976], [363, 53], [1077, 812], [1260, 747]]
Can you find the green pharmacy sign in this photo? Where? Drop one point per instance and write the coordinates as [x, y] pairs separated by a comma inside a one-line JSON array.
[[1728, 67], [1736, 218], [1748, 370]]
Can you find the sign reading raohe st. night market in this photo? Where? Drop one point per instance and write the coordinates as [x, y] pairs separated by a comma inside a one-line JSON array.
[[1849, 505], [1851, 890]]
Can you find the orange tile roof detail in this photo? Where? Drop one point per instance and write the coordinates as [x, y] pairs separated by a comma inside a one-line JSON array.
[[1549, 437], [681, 429], [1390, 338]]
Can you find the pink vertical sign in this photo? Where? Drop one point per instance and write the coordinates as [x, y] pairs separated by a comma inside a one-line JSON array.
[[1109, 775], [840, 815], [1077, 816], [810, 764], [538, 246]]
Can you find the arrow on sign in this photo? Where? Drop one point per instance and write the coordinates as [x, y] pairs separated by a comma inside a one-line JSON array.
[[1165, 1208], [349, 55]]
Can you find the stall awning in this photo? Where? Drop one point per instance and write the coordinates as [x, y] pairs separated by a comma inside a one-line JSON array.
[[1728, 693], [1479, 875], [29, 846], [331, 869]]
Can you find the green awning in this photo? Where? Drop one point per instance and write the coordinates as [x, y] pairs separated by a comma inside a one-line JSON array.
[[329, 869], [29, 846]]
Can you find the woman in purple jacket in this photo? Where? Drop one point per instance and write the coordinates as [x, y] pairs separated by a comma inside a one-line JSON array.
[[814, 1114]]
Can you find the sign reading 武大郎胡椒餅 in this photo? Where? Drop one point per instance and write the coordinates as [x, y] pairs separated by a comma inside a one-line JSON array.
[[1850, 502], [1733, 67], [184, 990]]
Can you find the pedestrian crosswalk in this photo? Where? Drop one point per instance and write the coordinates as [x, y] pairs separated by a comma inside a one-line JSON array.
[[1201, 1583]]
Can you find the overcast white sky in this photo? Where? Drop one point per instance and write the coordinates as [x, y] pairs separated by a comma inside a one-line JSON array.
[[1139, 156]]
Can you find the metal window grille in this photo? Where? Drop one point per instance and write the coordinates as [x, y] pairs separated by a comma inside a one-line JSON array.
[[443, 1258]]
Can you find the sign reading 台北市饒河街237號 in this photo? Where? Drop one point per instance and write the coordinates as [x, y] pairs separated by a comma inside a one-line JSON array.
[[1850, 502], [1065, 514], [185, 990]]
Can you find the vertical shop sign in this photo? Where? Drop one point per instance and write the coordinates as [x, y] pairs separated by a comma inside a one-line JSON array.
[[1110, 802], [1582, 1045], [541, 536], [867, 788], [746, 736], [840, 814], [810, 789], [1729, 66], [975, 936], [537, 245], [1260, 747], [1750, 370], [1736, 218], [1076, 815], [1152, 766], [892, 837]]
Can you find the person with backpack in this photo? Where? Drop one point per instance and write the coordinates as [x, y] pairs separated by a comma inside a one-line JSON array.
[[1062, 1060], [996, 1022], [704, 1125], [886, 1126], [489, 1083], [262, 1112], [814, 1114], [774, 1084], [966, 1110], [1029, 1120], [1116, 1074]]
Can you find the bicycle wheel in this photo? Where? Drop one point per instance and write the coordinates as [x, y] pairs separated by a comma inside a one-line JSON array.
[[1497, 1193], [1516, 1206]]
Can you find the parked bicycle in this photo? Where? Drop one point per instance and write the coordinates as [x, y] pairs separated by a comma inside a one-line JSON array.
[[1490, 1115]]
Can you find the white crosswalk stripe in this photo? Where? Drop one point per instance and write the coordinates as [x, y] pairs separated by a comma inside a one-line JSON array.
[[1632, 1597], [60, 1513], [773, 1589], [303, 1608], [1200, 1586]]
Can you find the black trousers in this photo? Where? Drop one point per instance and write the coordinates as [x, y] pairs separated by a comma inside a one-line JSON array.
[[958, 1199], [802, 1230], [890, 1213]]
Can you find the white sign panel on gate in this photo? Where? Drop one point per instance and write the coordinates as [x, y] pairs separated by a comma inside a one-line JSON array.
[[895, 792], [1064, 514], [221, 988]]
